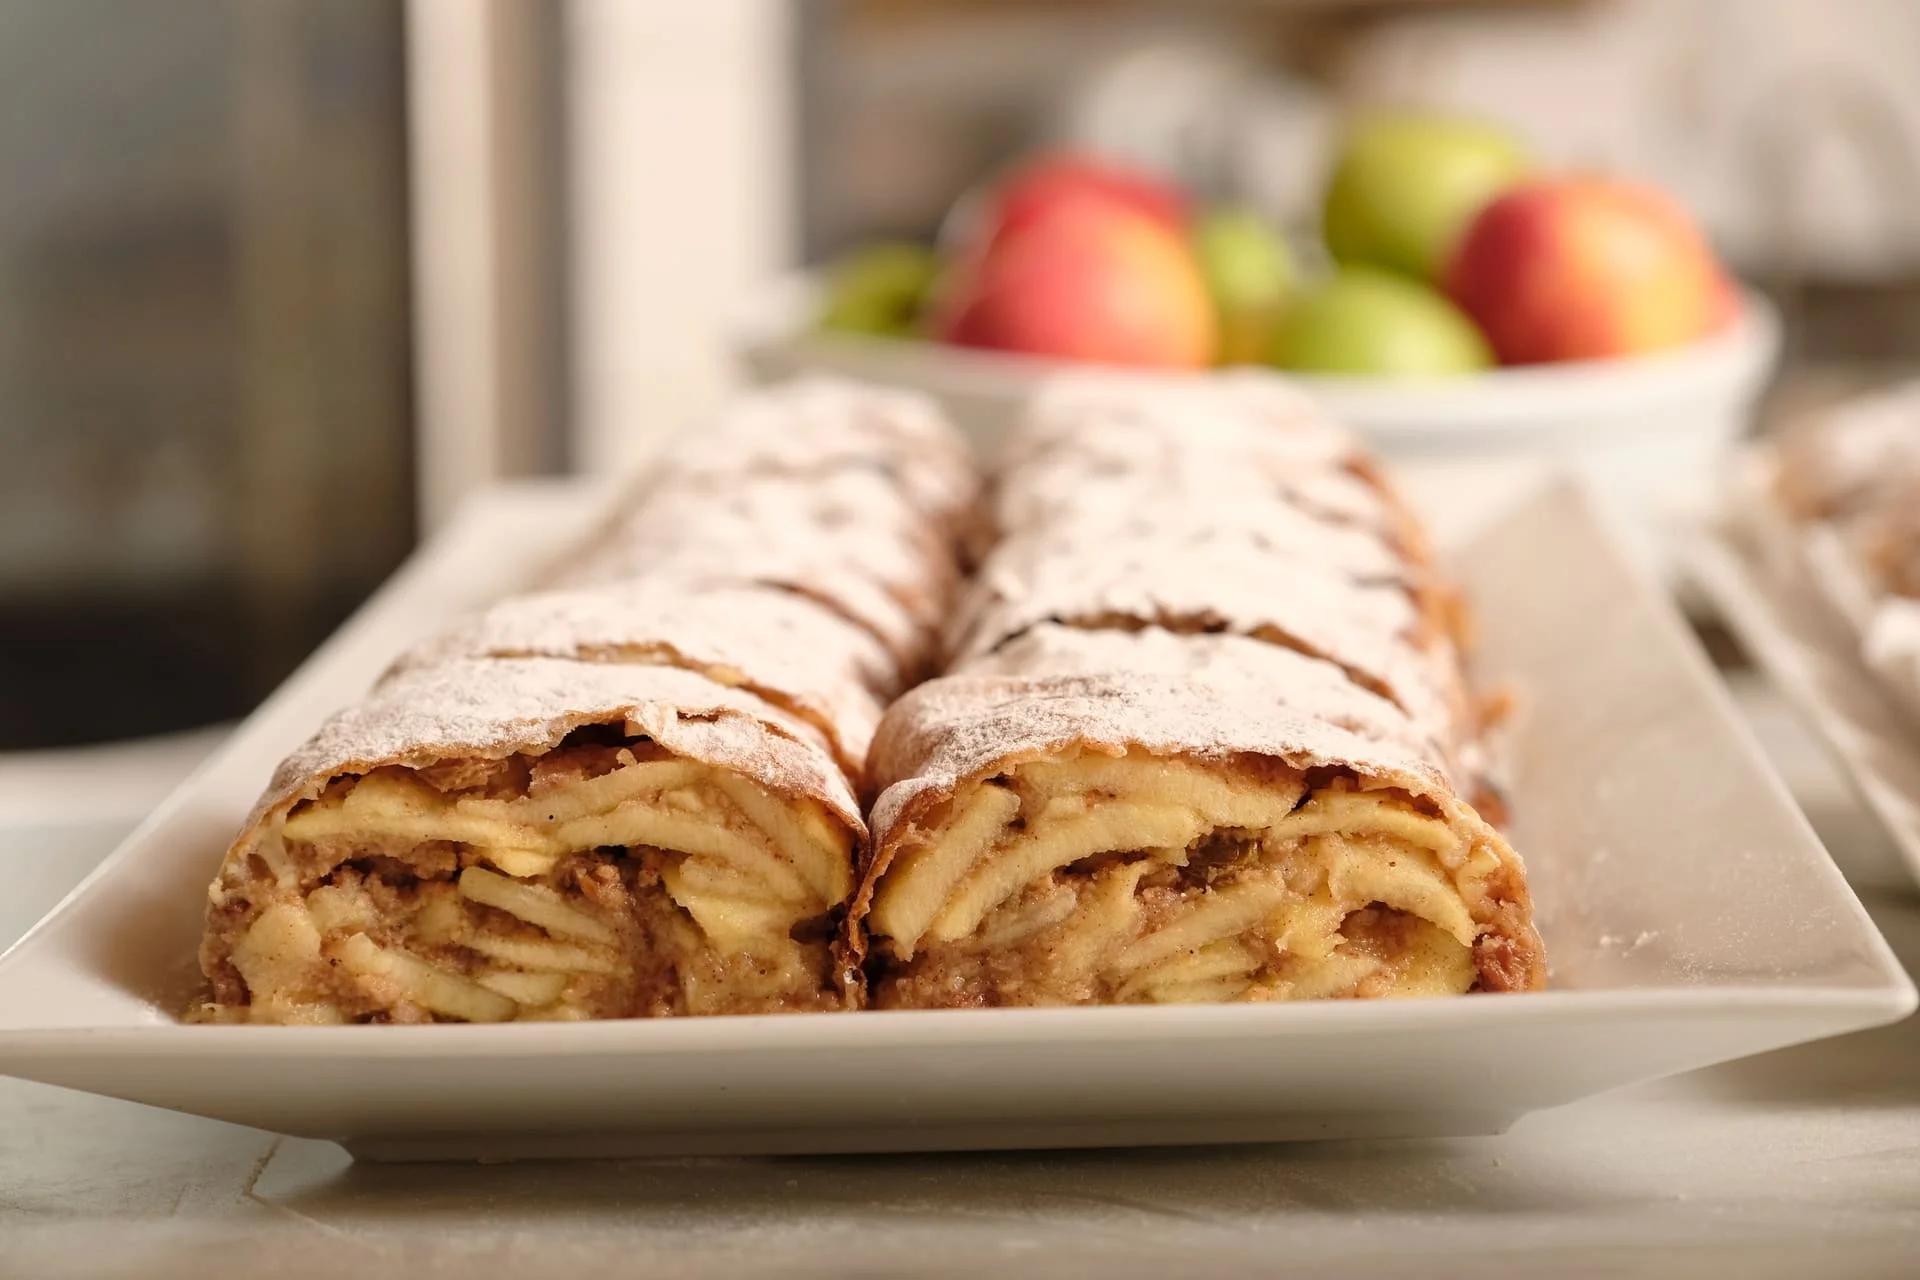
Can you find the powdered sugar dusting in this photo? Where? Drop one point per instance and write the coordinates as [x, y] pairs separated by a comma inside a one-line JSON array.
[[1104, 513], [491, 708], [961, 727], [821, 427], [1261, 672], [1240, 414], [1062, 486], [782, 647], [854, 520], [1223, 582], [850, 542], [852, 496], [1239, 439]]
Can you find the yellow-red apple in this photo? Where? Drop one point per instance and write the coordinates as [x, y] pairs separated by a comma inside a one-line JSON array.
[[1083, 278], [1036, 187], [1579, 268]]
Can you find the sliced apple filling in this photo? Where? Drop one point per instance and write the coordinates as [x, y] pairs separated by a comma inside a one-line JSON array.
[[1091, 879], [599, 881]]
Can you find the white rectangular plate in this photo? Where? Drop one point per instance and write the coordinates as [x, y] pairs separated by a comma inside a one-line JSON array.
[[1793, 631], [1690, 914]]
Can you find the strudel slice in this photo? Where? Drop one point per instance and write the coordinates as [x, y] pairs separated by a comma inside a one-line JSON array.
[[1244, 833], [851, 543], [818, 427], [537, 839], [781, 647], [851, 517], [1243, 442], [1393, 642], [856, 497]]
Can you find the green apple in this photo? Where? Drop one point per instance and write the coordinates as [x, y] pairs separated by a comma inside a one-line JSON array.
[[1249, 273], [879, 289], [1362, 320], [1406, 186]]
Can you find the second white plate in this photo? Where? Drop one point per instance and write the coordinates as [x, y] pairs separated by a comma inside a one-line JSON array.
[[1793, 633]]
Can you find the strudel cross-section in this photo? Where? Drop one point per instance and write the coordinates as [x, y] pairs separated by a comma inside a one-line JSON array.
[[636, 791], [1207, 737]]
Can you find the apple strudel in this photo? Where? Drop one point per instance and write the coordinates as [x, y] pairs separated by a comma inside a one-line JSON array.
[[494, 840], [1206, 734], [637, 796], [1244, 833]]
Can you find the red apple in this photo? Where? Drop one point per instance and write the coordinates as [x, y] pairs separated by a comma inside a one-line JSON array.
[[1083, 278], [1579, 268], [1037, 186]]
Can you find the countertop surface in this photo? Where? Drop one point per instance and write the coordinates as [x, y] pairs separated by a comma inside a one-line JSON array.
[[1799, 1162]]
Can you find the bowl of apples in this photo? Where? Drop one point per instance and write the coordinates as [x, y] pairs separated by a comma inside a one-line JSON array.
[[1460, 304]]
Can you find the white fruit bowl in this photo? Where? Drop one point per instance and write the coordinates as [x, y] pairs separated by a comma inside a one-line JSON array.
[[1649, 433]]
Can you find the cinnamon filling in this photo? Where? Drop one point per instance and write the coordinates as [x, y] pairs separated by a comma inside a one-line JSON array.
[[1140, 880], [489, 890]]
